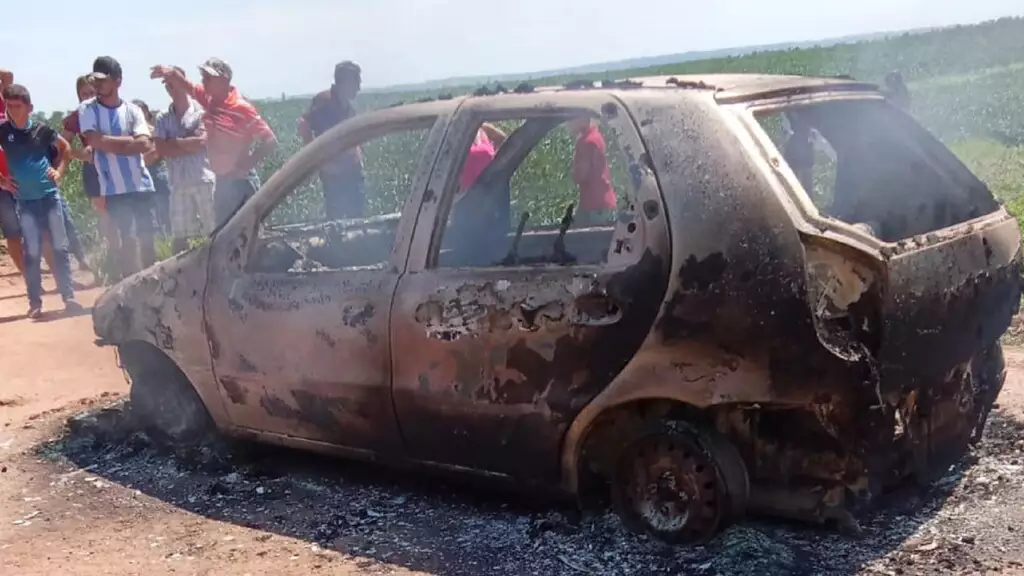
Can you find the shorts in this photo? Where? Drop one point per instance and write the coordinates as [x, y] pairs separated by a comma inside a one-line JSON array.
[[10, 227], [230, 194], [132, 213], [192, 211]]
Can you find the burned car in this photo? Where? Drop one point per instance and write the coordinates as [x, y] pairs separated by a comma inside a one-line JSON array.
[[794, 304]]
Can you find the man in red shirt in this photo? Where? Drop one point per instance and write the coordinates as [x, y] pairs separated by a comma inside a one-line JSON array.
[[10, 228], [591, 173], [238, 138]]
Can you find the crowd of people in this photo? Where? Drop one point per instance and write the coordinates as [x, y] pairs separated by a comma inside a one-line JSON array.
[[182, 172]]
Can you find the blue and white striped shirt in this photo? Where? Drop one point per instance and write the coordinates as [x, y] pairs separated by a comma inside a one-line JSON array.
[[118, 174]]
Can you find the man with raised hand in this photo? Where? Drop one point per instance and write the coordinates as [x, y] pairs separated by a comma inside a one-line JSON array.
[[237, 137], [119, 136]]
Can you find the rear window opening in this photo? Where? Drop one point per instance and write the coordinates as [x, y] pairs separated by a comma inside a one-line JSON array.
[[870, 165]]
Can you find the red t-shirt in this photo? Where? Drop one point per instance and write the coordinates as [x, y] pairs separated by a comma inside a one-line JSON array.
[[5, 170], [591, 173], [231, 127]]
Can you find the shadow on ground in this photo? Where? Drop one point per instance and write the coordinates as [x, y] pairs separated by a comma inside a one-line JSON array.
[[453, 529]]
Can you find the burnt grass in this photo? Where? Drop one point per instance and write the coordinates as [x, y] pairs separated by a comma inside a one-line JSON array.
[[965, 523]]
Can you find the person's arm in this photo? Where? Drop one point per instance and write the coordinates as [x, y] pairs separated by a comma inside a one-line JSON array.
[[193, 144], [178, 80], [171, 147], [83, 155], [139, 142], [56, 173], [6, 78], [266, 143], [494, 134], [119, 145]]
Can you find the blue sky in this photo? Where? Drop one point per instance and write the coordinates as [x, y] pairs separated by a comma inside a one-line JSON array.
[[291, 46]]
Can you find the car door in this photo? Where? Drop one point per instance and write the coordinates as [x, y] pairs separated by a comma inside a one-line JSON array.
[[512, 317], [298, 308]]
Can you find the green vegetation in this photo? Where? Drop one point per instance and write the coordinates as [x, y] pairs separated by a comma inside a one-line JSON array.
[[966, 84]]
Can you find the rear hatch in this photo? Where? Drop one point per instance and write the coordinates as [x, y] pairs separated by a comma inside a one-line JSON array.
[[913, 266]]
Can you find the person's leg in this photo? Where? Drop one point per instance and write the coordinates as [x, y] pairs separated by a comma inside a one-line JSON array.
[[16, 249], [334, 204], [355, 200], [55, 219], [74, 240], [202, 197], [119, 210], [229, 196], [32, 233], [10, 227], [107, 227], [142, 208], [182, 215]]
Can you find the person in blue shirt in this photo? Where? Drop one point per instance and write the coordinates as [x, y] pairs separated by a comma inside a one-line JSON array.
[[38, 157]]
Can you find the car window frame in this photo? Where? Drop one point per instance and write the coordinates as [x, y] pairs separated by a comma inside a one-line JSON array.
[[601, 105], [241, 231]]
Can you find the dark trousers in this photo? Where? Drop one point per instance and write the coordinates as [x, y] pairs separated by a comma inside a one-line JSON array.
[[344, 195], [74, 240]]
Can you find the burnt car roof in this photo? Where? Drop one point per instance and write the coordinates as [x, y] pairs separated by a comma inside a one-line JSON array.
[[726, 88], [735, 87]]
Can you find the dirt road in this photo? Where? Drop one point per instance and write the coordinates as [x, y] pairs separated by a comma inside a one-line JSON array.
[[78, 503]]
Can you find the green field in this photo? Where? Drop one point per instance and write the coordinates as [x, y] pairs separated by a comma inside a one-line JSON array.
[[967, 86]]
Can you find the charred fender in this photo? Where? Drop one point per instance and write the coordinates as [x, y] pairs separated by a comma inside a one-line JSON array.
[[163, 306]]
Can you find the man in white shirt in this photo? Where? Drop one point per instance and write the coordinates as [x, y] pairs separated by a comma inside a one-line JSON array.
[[118, 134]]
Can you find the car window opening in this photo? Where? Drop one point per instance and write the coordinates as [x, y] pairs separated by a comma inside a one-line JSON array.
[[866, 164], [509, 211]]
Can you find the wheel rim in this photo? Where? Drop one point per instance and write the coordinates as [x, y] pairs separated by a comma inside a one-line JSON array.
[[672, 488]]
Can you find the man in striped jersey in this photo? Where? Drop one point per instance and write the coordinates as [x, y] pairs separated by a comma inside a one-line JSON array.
[[119, 136], [237, 137]]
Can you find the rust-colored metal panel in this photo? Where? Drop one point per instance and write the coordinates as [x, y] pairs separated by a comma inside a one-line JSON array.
[[493, 363], [307, 354]]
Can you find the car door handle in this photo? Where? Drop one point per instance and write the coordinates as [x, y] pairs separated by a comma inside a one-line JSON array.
[[595, 309]]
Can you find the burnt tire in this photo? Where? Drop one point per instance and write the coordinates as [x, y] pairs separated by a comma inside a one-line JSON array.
[[163, 402], [679, 483]]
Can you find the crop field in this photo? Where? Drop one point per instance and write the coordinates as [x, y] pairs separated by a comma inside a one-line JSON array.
[[966, 85]]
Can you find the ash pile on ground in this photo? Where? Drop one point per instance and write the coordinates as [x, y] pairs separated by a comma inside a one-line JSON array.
[[969, 522]]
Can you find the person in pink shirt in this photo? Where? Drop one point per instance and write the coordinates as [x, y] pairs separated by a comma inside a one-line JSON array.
[[591, 173], [481, 152]]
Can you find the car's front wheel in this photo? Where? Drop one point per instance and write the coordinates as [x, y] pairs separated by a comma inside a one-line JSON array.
[[679, 483], [163, 402]]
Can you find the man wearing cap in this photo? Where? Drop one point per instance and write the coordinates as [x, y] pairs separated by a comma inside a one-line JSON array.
[[119, 136], [237, 137], [342, 179]]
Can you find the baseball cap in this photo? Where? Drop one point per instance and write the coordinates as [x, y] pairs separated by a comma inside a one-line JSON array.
[[106, 67], [216, 67]]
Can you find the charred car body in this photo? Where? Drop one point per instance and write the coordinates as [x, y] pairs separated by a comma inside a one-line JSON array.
[[797, 305]]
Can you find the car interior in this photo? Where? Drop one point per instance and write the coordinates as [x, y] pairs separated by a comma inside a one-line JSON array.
[[883, 173], [480, 231]]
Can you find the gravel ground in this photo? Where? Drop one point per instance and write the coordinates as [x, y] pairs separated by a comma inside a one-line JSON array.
[[358, 519]]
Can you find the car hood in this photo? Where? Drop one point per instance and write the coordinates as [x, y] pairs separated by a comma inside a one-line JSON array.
[[115, 313]]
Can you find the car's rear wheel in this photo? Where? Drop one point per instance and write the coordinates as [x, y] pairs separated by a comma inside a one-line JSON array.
[[163, 402], [679, 484]]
